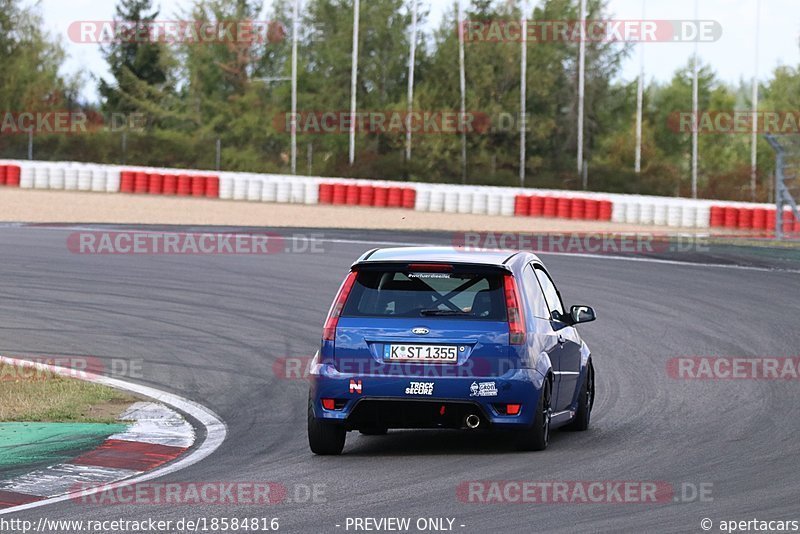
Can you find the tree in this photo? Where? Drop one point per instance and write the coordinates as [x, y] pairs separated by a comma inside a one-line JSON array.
[[136, 65], [31, 59]]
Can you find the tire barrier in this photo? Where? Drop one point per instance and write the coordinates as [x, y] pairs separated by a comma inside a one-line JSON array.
[[142, 182], [126, 181], [746, 217], [639, 210], [9, 175], [561, 207], [355, 194], [26, 177], [644, 210], [264, 188], [67, 176]]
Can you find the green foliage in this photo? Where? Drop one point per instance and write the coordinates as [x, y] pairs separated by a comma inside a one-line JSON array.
[[139, 67], [30, 62]]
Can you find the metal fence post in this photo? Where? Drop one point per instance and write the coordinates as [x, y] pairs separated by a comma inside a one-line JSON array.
[[783, 195], [124, 147]]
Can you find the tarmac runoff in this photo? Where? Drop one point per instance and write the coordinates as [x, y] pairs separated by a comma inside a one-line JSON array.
[[148, 436]]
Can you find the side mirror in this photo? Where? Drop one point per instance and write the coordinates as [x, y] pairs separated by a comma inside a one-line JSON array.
[[582, 314]]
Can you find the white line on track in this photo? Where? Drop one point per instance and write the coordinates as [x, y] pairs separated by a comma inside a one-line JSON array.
[[414, 244], [216, 430]]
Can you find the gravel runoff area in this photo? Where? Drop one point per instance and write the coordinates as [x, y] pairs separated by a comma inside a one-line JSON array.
[[32, 206]]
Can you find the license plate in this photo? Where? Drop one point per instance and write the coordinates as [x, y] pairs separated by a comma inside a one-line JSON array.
[[421, 353]]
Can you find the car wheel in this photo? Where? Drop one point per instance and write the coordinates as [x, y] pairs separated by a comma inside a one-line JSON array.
[[585, 402], [324, 438], [538, 436], [374, 431]]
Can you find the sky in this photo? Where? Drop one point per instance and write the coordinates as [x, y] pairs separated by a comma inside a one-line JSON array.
[[733, 56]]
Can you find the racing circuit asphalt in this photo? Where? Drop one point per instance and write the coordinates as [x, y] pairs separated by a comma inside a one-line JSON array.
[[210, 327]]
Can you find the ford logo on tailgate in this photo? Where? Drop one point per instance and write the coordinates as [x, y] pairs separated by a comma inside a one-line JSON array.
[[420, 331]]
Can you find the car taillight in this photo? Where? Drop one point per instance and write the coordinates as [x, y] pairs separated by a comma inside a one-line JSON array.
[[329, 331], [430, 267], [516, 319]]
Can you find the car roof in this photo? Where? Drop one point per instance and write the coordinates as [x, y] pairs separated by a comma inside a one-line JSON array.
[[474, 256]]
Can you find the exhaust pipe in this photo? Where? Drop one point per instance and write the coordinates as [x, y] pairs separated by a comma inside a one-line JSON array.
[[472, 421]]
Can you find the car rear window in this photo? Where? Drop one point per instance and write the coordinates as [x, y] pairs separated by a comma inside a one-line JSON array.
[[397, 293]]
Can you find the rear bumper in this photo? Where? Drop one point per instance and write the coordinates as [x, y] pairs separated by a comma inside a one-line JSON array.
[[424, 401]]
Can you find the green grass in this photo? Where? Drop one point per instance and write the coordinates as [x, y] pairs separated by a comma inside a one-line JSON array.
[[40, 396]]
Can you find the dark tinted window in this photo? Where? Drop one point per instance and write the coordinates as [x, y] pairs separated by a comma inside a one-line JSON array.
[[418, 294], [536, 298], [550, 291]]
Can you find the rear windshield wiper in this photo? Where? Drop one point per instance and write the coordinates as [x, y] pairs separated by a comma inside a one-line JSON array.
[[436, 311]]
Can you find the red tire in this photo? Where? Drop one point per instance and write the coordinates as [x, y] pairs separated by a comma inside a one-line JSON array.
[[156, 184], [339, 194], [170, 185], [521, 206], [326, 193], [126, 181], [198, 186], [536, 206], [549, 207], [577, 209], [184, 185], [395, 197], [381, 197], [141, 182], [409, 200], [212, 186]]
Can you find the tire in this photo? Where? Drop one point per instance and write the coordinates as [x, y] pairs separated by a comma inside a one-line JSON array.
[[324, 438], [585, 402], [374, 431], [537, 437]]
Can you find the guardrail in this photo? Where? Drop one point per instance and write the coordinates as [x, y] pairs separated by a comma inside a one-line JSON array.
[[787, 176], [641, 210]]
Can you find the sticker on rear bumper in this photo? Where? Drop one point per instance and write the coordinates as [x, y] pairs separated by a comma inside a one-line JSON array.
[[483, 389], [355, 386], [420, 388]]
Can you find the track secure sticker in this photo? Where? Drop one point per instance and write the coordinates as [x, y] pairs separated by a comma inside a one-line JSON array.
[[420, 388], [483, 389]]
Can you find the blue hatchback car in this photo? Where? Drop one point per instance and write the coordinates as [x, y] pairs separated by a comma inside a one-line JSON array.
[[435, 337]]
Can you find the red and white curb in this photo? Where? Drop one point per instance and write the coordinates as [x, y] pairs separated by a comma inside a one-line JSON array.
[[160, 441]]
